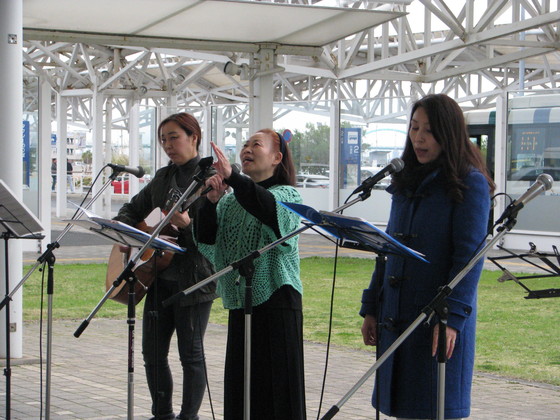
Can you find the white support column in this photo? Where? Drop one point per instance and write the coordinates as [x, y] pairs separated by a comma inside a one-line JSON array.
[[261, 100], [134, 144], [238, 142], [11, 161], [98, 160], [205, 149], [164, 112], [61, 146], [500, 152], [219, 130], [334, 156], [45, 159], [108, 148]]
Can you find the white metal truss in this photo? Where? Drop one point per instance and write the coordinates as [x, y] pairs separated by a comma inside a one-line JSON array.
[[472, 50]]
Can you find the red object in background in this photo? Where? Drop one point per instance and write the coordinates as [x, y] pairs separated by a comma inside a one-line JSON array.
[[119, 184]]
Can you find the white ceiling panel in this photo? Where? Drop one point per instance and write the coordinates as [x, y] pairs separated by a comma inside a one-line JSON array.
[[102, 16], [211, 20]]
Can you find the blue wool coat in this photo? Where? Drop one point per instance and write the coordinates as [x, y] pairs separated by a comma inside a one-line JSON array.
[[449, 234]]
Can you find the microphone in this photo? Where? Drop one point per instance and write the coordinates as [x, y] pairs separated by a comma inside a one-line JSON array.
[[235, 168], [205, 162], [138, 172], [396, 165], [542, 183]]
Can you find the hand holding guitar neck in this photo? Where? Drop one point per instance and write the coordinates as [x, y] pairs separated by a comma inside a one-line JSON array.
[[149, 264]]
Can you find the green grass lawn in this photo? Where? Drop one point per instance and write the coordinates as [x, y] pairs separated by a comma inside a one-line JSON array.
[[516, 337]]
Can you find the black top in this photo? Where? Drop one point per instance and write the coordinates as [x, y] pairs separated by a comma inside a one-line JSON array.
[[253, 197], [190, 267]]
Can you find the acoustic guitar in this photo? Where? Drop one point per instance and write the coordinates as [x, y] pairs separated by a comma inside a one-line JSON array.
[[149, 264]]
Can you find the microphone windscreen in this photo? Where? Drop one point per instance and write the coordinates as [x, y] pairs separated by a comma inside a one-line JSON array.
[[398, 164]]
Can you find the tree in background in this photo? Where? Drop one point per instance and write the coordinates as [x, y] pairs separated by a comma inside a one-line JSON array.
[[87, 157], [122, 159], [310, 148]]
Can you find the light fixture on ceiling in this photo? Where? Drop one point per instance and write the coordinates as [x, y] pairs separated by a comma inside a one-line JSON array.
[[232, 69]]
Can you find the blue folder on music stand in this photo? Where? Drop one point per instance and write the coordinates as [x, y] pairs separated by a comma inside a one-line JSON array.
[[354, 232], [123, 234]]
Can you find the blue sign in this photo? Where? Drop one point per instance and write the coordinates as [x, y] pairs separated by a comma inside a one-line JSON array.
[[351, 146]]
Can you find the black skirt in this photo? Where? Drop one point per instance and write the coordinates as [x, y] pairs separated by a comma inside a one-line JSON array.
[[277, 369]]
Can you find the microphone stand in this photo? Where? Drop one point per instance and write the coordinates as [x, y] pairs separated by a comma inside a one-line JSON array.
[[246, 268], [48, 257], [438, 306], [128, 275]]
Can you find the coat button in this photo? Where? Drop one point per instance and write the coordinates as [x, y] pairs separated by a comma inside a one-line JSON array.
[[389, 324]]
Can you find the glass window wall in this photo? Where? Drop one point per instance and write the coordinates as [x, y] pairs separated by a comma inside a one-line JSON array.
[[368, 144], [30, 139], [533, 148], [364, 148]]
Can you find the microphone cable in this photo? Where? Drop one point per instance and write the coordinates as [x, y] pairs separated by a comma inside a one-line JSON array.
[[329, 330], [493, 205], [331, 311]]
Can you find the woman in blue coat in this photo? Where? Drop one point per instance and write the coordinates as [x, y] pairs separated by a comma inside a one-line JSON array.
[[440, 207]]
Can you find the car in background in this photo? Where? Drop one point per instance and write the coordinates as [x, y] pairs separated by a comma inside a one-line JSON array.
[[523, 178], [369, 171], [531, 174], [312, 181]]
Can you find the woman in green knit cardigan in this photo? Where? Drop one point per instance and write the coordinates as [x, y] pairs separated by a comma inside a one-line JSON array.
[[228, 228]]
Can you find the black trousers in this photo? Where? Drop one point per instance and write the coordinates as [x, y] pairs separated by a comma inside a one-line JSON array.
[[277, 367], [158, 326]]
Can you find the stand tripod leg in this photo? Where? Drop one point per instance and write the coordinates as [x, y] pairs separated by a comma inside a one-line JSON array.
[[131, 321], [8, 368], [442, 310], [246, 268], [247, 373], [380, 264], [50, 290], [442, 360]]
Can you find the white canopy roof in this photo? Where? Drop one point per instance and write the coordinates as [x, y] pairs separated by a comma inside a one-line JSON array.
[[191, 24]]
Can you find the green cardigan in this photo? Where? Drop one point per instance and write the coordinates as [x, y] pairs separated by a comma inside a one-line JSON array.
[[239, 234]]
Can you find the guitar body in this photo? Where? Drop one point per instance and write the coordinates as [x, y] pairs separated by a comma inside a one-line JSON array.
[[149, 264]]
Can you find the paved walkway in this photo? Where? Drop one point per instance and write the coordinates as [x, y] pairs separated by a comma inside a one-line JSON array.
[[90, 380], [89, 374]]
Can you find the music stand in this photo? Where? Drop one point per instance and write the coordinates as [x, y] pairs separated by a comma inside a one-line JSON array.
[[539, 260], [354, 232], [16, 222], [126, 235]]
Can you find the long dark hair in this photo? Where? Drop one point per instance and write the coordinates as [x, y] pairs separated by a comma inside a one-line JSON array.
[[187, 122], [285, 172], [458, 154]]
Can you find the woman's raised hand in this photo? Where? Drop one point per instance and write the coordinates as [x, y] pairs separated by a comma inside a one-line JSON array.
[[222, 165]]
